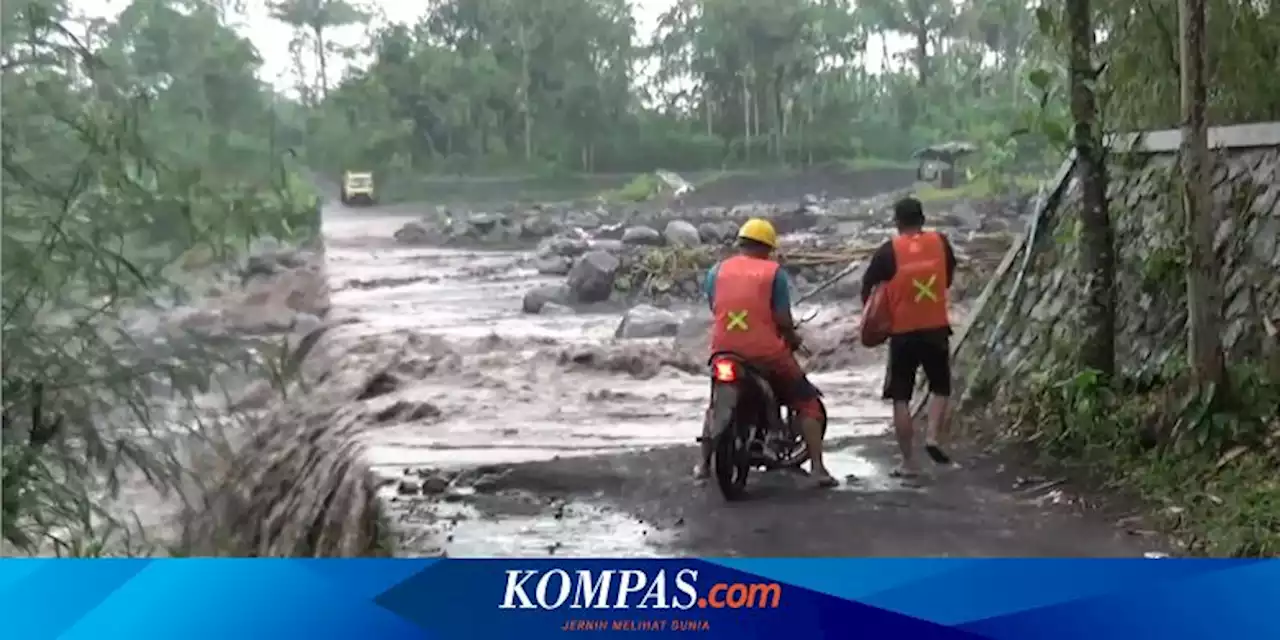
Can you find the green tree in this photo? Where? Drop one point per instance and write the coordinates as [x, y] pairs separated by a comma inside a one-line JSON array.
[[127, 146], [313, 19]]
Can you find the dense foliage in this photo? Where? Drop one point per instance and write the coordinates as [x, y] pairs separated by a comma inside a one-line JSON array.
[[571, 84], [127, 145]]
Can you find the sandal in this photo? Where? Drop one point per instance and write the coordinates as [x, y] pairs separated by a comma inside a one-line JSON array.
[[937, 454], [822, 480], [903, 473]]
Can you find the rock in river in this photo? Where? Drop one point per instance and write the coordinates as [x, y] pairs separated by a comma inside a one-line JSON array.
[[536, 299], [641, 235], [567, 246], [414, 233], [681, 234], [591, 278], [697, 325], [647, 321]]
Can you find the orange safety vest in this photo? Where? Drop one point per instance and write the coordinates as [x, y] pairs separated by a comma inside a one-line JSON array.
[[917, 294], [743, 309]]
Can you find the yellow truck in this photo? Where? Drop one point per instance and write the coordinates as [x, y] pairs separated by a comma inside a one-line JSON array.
[[357, 188]]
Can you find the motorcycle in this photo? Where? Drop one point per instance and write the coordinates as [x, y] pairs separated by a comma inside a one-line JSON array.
[[748, 427]]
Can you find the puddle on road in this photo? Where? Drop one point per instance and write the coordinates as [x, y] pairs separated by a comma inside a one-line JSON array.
[[858, 472]]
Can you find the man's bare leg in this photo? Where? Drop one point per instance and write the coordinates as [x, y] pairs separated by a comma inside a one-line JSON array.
[[811, 431], [702, 470], [939, 434], [904, 431]]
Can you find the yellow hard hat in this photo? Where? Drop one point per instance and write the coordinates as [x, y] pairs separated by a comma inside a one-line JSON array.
[[761, 231]]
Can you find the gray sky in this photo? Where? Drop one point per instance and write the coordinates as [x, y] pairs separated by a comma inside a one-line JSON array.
[[272, 37]]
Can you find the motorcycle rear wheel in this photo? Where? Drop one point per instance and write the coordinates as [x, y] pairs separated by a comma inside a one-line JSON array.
[[799, 452], [730, 463]]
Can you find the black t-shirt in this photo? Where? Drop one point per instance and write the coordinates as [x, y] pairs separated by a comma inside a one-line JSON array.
[[883, 267]]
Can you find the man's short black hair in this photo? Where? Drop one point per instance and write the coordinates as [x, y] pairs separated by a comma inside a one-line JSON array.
[[908, 213], [754, 246]]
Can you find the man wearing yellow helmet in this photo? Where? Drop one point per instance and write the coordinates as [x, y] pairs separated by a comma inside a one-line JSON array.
[[750, 298]]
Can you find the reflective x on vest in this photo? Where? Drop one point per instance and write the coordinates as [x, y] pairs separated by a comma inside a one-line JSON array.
[[925, 289], [737, 321]]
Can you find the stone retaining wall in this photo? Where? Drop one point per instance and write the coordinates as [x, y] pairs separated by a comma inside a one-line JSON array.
[[1151, 296]]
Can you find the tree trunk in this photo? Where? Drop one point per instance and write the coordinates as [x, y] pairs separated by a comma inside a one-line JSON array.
[[322, 65], [1097, 241], [922, 55], [706, 99], [757, 95], [884, 54], [525, 82], [297, 49], [746, 118], [780, 116], [1204, 290]]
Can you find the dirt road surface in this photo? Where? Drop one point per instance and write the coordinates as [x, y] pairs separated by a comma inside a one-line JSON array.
[[546, 436]]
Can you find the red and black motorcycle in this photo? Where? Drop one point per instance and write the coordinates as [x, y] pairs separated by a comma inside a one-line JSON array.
[[748, 427]]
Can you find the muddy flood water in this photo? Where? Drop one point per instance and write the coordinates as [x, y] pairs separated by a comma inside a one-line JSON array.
[[547, 436]]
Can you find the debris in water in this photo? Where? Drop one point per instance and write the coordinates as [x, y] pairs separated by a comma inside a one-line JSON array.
[[380, 384], [406, 411], [638, 361]]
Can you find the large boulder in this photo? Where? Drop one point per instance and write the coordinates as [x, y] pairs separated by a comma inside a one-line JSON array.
[[697, 325], [647, 321], [591, 278], [482, 224], [712, 232], [641, 236], [535, 300], [536, 224], [563, 246], [583, 219], [681, 234]]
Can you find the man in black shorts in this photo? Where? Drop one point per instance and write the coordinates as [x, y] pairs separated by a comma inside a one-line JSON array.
[[916, 268]]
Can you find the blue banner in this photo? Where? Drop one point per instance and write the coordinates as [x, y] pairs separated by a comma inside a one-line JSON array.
[[529, 599]]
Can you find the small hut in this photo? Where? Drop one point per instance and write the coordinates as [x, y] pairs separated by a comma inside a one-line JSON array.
[[938, 162]]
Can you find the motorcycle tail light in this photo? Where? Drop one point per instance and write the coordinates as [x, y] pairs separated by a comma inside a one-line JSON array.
[[725, 371]]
